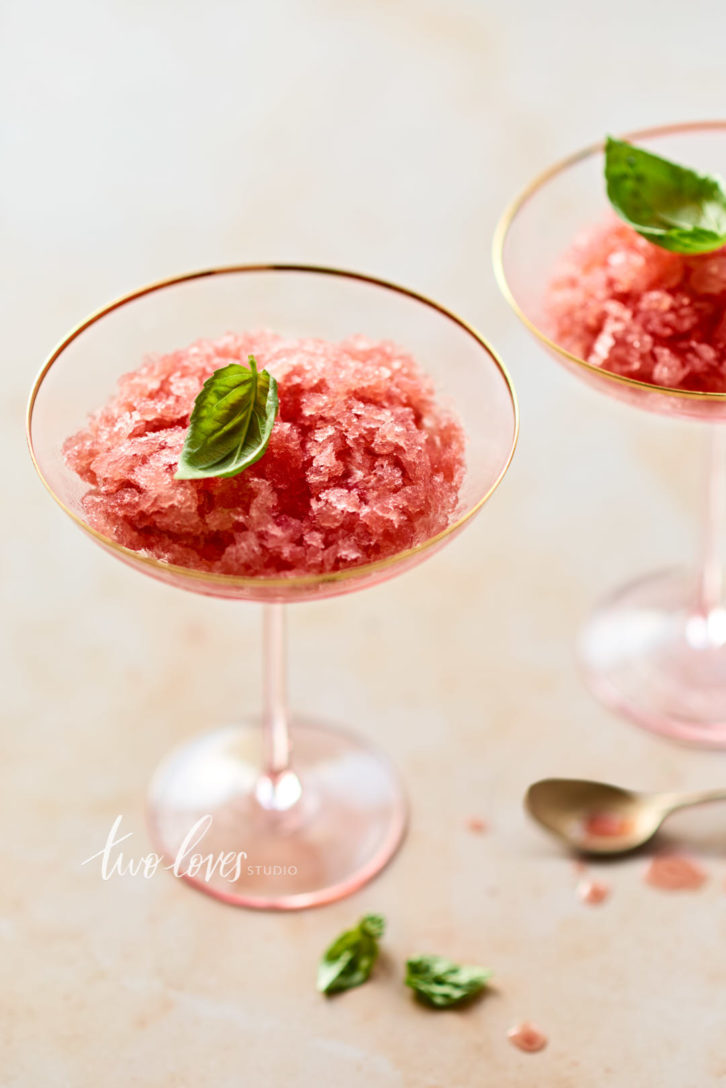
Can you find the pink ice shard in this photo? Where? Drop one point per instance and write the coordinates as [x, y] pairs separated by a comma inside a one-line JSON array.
[[593, 892], [621, 303], [527, 1037], [362, 463], [674, 872]]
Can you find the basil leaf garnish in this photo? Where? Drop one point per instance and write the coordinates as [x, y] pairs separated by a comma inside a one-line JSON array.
[[673, 207], [349, 960], [231, 422], [441, 983]]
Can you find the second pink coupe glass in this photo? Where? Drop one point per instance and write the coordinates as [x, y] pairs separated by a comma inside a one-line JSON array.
[[654, 650]]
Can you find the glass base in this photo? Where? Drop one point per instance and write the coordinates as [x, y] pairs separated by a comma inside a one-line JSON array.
[[308, 838], [649, 654]]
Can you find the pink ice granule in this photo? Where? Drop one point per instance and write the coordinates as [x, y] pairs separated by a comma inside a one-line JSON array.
[[626, 305], [674, 872], [527, 1037], [593, 892], [362, 462]]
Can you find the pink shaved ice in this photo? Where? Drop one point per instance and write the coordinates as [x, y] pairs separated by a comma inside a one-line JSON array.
[[362, 462], [619, 302]]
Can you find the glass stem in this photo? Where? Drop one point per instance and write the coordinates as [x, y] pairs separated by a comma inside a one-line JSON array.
[[711, 582], [276, 736], [278, 787]]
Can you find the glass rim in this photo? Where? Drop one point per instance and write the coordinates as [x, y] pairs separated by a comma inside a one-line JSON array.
[[525, 194], [230, 581]]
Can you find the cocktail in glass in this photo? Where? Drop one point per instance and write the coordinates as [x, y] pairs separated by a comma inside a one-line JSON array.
[[315, 810], [655, 650]]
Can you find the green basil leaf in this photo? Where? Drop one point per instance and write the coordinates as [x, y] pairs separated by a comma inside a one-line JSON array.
[[231, 422], [349, 960], [670, 205], [373, 924], [441, 983]]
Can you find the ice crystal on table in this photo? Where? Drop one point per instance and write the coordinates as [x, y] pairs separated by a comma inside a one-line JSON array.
[[362, 462], [674, 872], [621, 303]]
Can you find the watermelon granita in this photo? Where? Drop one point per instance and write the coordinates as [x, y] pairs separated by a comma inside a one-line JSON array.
[[362, 461], [628, 306]]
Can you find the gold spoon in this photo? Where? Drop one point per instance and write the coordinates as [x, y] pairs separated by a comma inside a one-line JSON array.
[[599, 819]]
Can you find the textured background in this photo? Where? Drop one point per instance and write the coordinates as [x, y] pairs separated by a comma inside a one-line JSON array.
[[139, 139]]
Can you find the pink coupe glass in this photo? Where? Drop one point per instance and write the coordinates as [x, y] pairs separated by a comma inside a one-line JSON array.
[[316, 810], [655, 650]]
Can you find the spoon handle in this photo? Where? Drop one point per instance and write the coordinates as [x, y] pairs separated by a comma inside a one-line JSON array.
[[673, 801]]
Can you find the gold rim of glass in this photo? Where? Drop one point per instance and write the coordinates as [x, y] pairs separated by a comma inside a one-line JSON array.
[[298, 581], [502, 229]]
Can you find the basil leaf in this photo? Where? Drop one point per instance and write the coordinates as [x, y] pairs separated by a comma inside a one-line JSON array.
[[670, 205], [441, 983], [373, 924], [231, 422], [349, 960]]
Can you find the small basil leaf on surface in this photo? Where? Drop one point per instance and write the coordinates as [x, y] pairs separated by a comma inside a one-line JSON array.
[[441, 983], [670, 205], [230, 424], [349, 960]]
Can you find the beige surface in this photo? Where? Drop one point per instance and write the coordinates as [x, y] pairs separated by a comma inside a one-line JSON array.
[[143, 139]]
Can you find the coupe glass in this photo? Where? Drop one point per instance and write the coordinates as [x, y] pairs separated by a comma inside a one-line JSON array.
[[316, 810], [656, 649]]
